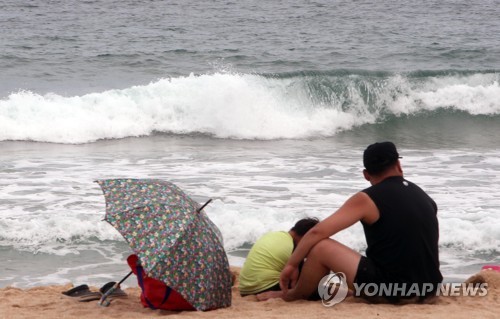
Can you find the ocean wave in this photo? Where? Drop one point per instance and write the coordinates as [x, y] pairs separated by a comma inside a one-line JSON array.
[[248, 106], [62, 233]]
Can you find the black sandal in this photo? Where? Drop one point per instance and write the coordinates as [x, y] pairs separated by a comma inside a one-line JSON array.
[[77, 291]]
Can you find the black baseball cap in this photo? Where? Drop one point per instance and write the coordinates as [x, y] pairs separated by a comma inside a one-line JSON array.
[[379, 156]]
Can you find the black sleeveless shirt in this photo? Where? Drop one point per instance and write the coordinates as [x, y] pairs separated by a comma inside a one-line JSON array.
[[403, 242]]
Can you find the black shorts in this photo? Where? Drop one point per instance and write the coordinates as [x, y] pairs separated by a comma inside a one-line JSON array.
[[368, 272]]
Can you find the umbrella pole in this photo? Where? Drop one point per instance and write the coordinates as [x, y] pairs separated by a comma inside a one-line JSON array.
[[203, 206], [125, 278]]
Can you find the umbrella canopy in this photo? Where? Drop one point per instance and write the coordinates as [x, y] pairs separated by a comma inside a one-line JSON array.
[[175, 243]]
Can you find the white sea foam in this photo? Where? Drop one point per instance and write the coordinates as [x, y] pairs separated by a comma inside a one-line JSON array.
[[239, 106], [52, 212], [476, 94], [49, 204]]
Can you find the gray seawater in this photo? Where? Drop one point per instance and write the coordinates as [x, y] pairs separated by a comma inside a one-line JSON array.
[[265, 107], [75, 47]]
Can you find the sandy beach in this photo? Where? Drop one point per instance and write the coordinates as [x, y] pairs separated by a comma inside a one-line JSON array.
[[48, 302], [265, 109]]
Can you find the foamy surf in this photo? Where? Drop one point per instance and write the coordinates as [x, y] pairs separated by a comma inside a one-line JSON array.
[[244, 106], [50, 204]]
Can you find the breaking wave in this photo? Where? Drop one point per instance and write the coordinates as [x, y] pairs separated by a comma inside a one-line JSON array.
[[247, 106]]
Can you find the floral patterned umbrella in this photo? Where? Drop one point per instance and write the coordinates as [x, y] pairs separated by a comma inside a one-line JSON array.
[[176, 242]]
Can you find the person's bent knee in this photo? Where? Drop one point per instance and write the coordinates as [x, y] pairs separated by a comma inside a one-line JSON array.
[[321, 246]]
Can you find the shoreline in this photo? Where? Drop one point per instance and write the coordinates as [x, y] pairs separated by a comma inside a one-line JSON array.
[[77, 273], [49, 302]]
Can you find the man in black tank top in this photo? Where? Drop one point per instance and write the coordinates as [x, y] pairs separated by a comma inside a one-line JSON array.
[[401, 229]]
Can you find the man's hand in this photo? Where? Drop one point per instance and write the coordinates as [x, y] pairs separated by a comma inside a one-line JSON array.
[[288, 278]]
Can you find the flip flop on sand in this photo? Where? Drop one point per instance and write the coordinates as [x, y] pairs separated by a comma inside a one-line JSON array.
[[117, 293], [82, 293], [77, 291], [91, 296], [107, 286]]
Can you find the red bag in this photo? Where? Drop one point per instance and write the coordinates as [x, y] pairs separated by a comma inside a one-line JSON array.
[[155, 294]]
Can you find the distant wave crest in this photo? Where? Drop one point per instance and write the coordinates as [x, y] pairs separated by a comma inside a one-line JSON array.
[[247, 106]]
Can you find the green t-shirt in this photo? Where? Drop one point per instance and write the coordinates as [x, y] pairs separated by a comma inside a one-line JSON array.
[[265, 261]]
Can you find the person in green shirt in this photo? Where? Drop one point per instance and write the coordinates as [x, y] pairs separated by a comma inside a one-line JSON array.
[[268, 256]]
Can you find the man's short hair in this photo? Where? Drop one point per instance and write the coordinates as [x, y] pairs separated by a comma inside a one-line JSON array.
[[379, 156], [303, 225]]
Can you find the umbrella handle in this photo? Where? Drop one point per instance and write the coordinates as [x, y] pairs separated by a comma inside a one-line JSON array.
[[103, 302], [203, 206]]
